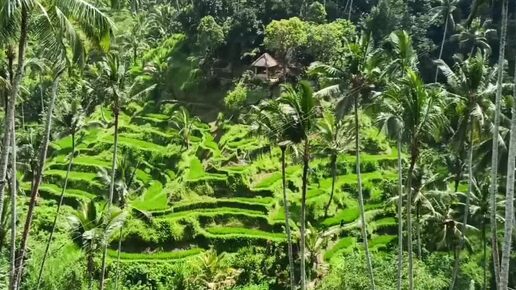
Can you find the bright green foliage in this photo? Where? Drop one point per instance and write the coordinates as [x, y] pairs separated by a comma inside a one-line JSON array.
[[287, 35], [209, 34]]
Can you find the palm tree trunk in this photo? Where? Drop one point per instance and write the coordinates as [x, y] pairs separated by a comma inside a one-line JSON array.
[[58, 210], [484, 249], [11, 108], [350, 9], [90, 267], [37, 180], [509, 201], [413, 159], [13, 280], [363, 225], [442, 45], [493, 190], [333, 178], [119, 250], [400, 216], [111, 185], [456, 266], [418, 229], [306, 160], [287, 218]]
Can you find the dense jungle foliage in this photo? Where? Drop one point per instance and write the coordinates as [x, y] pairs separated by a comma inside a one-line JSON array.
[[257, 144]]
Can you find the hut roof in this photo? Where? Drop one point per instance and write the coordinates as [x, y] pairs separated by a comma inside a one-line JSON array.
[[265, 60]]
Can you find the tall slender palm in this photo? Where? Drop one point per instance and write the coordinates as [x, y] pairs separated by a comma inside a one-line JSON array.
[[509, 199], [14, 215], [445, 9], [470, 85], [94, 230], [59, 25], [336, 138], [72, 119], [115, 78], [9, 23], [474, 38], [300, 108], [480, 213], [273, 124], [39, 174], [422, 117], [494, 158], [392, 125], [352, 86]]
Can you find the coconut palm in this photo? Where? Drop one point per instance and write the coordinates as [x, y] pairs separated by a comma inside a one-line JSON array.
[[494, 158], [94, 230], [422, 117], [336, 138], [443, 228], [38, 175], [185, 123], [299, 106], [114, 76], [352, 86], [509, 198], [74, 21], [470, 85], [445, 8], [479, 212], [392, 126], [72, 119], [474, 38], [271, 123]]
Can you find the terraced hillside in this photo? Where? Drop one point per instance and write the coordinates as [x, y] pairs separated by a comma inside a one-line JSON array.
[[191, 190]]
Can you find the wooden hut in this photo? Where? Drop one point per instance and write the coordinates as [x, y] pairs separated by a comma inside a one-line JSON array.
[[264, 66]]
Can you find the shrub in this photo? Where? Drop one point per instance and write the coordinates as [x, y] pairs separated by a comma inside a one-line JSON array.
[[236, 98]]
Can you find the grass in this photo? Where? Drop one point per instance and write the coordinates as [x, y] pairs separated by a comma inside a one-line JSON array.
[[346, 216], [84, 160], [380, 242], [212, 212], [55, 190], [245, 232], [339, 247], [165, 256], [74, 175], [154, 198]]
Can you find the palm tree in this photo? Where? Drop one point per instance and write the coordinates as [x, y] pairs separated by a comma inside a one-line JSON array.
[[115, 74], [298, 104], [72, 119], [94, 230], [474, 38], [115, 77], [39, 175], [362, 61], [494, 157], [480, 213], [444, 9], [470, 85], [392, 126], [444, 230], [14, 214], [274, 124], [74, 21], [185, 123], [421, 117], [336, 139], [509, 198], [214, 273]]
